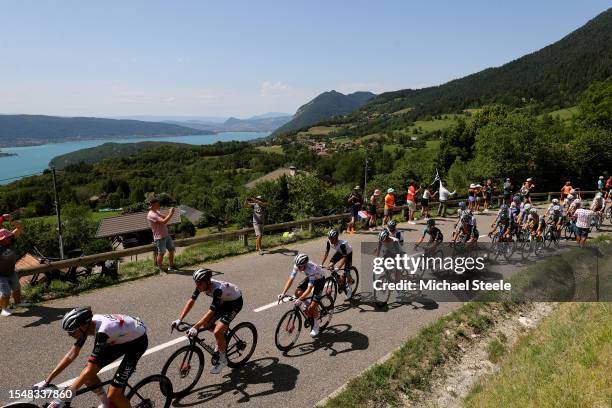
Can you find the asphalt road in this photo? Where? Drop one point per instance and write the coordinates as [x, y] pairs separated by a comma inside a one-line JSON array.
[[358, 336]]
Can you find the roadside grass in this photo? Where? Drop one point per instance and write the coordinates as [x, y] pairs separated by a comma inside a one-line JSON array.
[[321, 130], [565, 362], [412, 366], [191, 257]]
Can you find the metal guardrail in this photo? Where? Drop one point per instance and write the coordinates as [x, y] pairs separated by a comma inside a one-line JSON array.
[[309, 222]]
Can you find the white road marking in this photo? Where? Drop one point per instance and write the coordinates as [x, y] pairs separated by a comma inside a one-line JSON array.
[[269, 305]]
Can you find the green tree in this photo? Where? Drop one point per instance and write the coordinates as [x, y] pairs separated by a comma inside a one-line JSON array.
[[596, 105]]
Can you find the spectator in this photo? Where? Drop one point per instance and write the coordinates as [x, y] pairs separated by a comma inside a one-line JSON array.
[[471, 197], [258, 205], [478, 194], [373, 209], [9, 281], [600, 184], [444, 194], [411, 201], [507, 191], [488, 194], [526, 190], [583, 225], [389, 205], [566, 190], [355, 201], [161, 237], [427, 195]]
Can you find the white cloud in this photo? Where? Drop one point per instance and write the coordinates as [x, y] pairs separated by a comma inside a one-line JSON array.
[[274, 90], [171, 99]]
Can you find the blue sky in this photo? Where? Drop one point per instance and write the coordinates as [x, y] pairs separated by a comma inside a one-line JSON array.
[[242, 58]]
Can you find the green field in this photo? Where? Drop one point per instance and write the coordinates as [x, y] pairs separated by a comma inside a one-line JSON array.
[[564, 114], [271, 149], [433, 125], [96, 216]]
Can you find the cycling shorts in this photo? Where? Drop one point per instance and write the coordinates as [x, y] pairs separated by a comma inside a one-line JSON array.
[[227, 311], [318, 286], [338, 256], [131, 352]]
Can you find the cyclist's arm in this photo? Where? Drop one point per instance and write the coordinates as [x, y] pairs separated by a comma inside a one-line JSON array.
[[72, 354], [210, 314], [188, 305], [327, 246], [89, 373], [288, 284], [307, 292]]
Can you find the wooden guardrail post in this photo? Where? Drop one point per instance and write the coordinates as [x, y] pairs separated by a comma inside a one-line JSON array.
[[245, 239]]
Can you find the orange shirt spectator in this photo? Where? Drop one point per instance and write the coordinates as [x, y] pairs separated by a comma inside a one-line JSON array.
[[390, 200]]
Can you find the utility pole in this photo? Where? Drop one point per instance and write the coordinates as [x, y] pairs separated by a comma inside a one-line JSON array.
[[365, 174], [59, 219]]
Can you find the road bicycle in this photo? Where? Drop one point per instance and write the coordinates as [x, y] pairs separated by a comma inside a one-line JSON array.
[[501, 247], [551, 235], [185, 366], [290, 324], [569, 229], [154, 391], [335, 283]]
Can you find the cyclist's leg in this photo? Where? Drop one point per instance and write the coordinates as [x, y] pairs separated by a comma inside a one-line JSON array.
[[225, 315], [133, 351], [301, 287]]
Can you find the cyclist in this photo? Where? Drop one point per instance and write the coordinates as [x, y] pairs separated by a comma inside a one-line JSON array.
[[555, 213], [226, 304], [460, 212], [503, 222], [435, 235], [523, 216], [313, 283], [534, 223], [343, 257], [597, 206], [468, 226], [389, 244], [394, 232], [115, 335]]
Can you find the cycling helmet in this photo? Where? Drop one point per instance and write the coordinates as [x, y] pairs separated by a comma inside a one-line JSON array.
[[202, 275], [533, 211], [465, 218], [598, 195], [527, 207], [384, 234], [572, 191], [517, 199], [333, 233], [504, 206], [555, 201], [556, 208], [300, 260], [76, 318], [392, 224], [462, 205], [431, 222]]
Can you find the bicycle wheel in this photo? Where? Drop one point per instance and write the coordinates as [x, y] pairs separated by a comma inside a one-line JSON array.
[[21, 405], [381, 297], [288, 330], [353, 282], [331, 288], [153, 391], [538, 246], [241, 343], [184, 368], [568, 231], [325, 315]]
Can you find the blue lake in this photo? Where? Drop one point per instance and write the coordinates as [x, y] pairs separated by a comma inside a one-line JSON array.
[[34, 159]]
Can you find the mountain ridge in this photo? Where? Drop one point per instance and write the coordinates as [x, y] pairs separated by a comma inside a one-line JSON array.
[[324, 106], [22, 130]]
